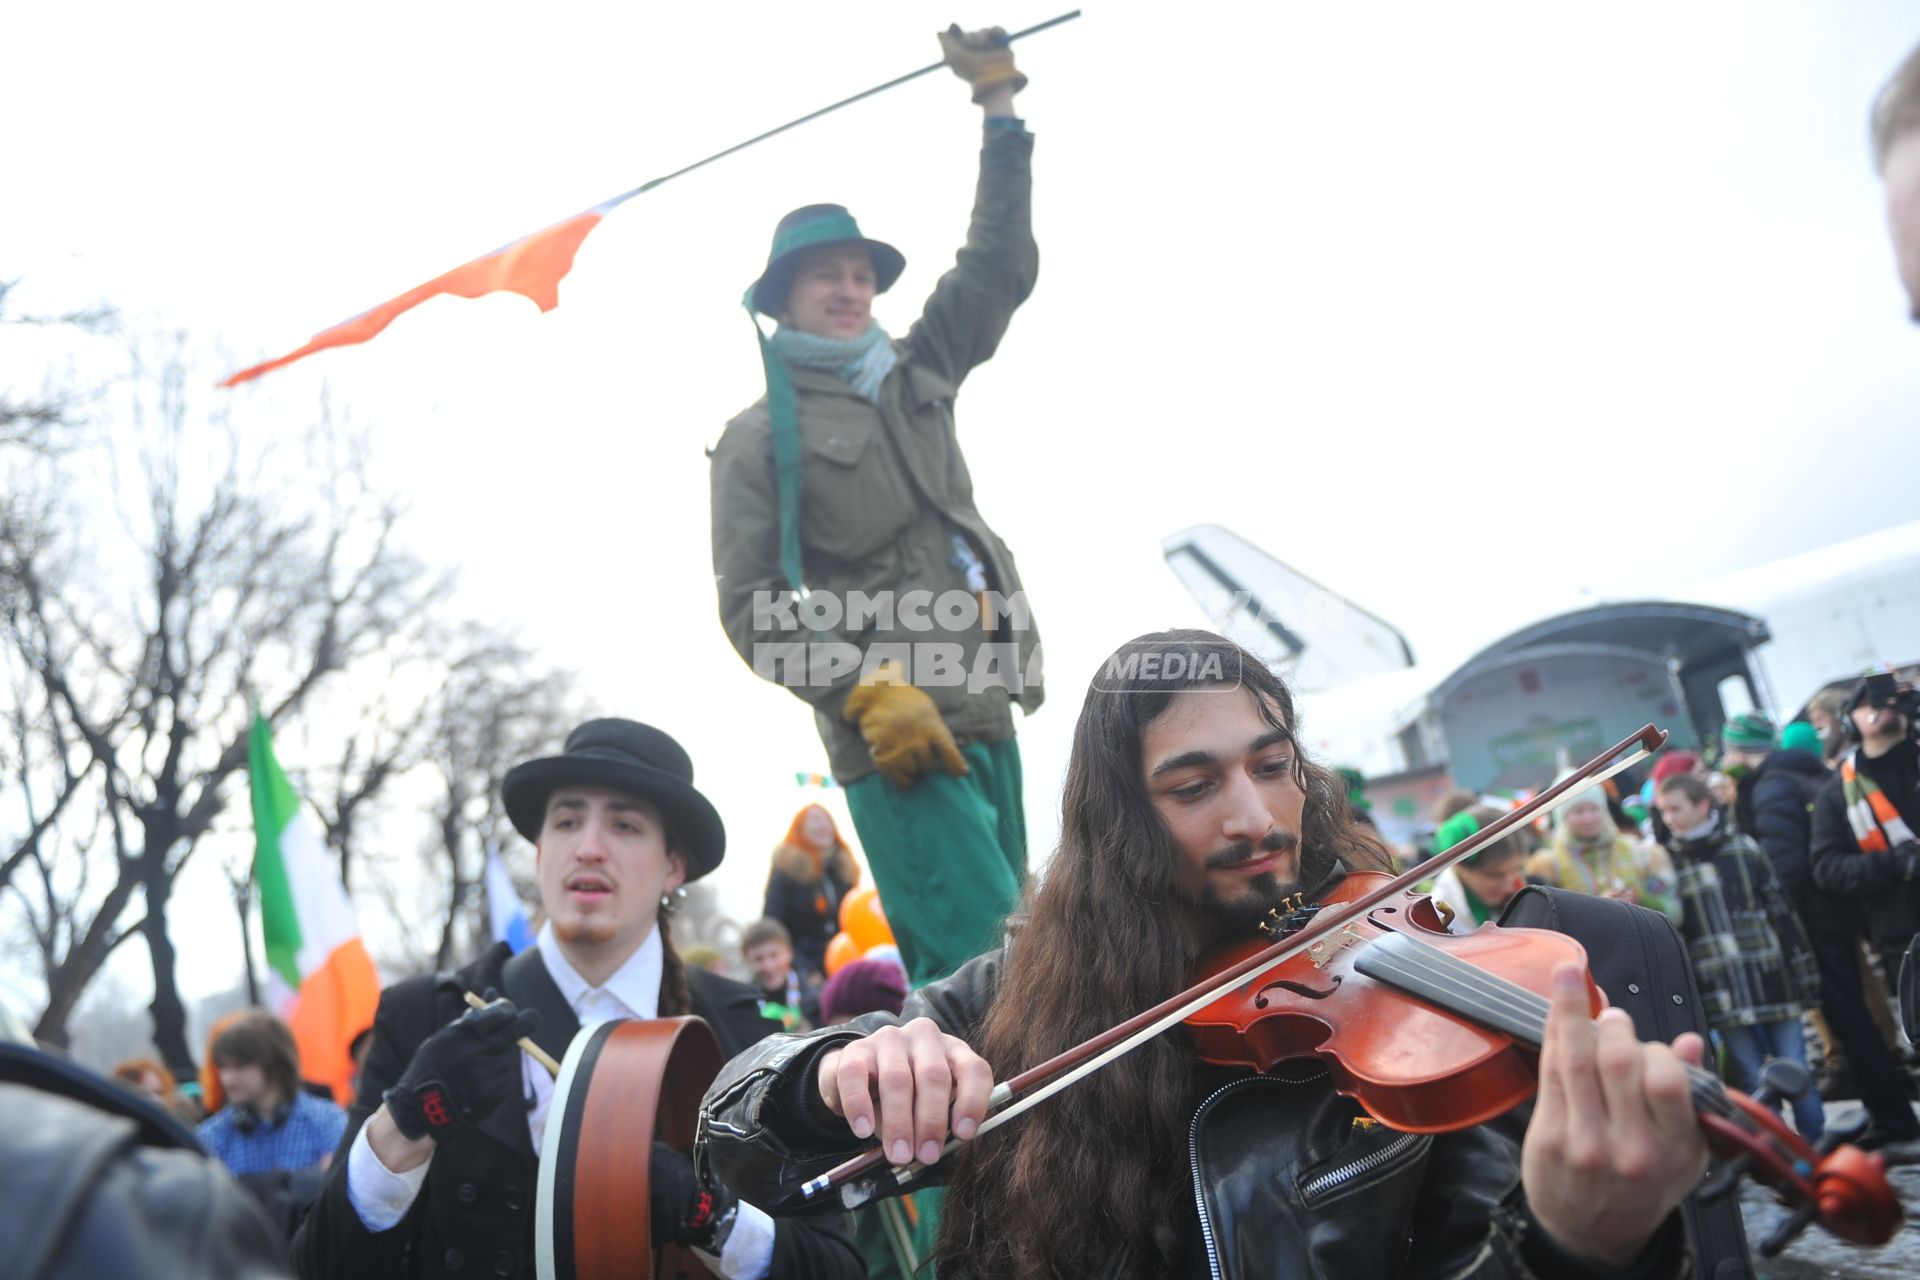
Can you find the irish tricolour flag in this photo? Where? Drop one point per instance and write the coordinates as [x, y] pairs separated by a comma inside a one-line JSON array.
[[321, 979]]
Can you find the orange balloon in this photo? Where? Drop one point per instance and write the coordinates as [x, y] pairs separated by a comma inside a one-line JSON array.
[[862, 916], [841, 950]]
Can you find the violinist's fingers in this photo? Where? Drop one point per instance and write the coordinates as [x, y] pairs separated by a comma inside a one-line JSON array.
[[932, 1088], [845, 1078], [1630, 1131], [1568, 1063], [893, 1078], [1691, 1048], [972, 1087], [1668, 1093]]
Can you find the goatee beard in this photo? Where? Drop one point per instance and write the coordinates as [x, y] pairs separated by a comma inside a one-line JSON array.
[[589, 933]]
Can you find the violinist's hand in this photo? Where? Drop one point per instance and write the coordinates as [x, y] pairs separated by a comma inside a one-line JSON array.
[[913, 1084], [1613, 1146]]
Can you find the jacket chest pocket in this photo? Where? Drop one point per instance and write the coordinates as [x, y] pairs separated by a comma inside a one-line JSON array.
[[1361, 1165], [853, 495]]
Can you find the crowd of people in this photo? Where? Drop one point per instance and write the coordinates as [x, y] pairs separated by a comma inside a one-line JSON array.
[[854, 568], [1795, 937]]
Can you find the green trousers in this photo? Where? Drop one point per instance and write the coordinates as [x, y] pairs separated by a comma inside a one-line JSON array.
[[949, 856]]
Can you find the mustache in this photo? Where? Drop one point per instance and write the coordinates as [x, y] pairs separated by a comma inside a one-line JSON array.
[[1233, 855]]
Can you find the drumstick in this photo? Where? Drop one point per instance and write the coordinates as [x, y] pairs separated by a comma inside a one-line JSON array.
[[534, 1051]]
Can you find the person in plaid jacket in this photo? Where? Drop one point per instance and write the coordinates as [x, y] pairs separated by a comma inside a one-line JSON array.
[[1751, 958]]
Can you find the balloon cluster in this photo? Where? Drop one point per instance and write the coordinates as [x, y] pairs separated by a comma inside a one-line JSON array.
[[864, 932]]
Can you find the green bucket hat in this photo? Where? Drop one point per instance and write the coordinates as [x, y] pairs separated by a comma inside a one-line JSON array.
[[810, 228]]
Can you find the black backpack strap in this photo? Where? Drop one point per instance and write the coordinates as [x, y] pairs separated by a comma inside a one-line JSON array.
[[1639, 959]]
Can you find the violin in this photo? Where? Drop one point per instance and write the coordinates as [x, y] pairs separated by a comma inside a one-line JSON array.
[[1431, 1032]]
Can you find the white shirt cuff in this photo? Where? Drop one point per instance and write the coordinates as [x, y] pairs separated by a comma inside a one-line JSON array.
[[749, 1251], [382, 1197]]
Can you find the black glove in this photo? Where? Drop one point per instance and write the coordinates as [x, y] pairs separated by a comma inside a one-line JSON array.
[[1906, 857], [685, 1210], [462, 1072]]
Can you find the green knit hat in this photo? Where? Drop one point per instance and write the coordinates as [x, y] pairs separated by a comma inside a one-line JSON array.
[[1801, 736], [1749, 732], [1454, 830], [1356, 783]]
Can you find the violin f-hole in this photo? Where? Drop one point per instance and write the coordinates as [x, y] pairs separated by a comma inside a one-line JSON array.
[[1298, 988]]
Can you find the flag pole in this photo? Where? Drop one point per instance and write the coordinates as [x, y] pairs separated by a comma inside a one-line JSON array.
[[894, 83], [533, 265]]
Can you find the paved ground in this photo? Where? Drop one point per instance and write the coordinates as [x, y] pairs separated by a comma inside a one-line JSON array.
[[1818, 1256]]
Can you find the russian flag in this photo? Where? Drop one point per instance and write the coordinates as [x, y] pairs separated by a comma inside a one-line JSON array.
[[503, 905]]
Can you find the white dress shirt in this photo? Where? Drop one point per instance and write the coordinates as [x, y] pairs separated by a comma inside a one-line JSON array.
[[382, 1197]]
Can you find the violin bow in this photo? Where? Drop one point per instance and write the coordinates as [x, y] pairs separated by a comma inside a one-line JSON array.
[[857, 1178]]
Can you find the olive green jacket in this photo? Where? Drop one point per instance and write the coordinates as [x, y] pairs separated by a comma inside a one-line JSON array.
[[883, 489]]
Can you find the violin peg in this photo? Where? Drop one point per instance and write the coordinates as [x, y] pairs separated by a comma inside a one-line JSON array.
[[1781, 1079]]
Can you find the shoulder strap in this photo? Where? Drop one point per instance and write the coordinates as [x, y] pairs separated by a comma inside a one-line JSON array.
[[1639, 960], [530, 986]]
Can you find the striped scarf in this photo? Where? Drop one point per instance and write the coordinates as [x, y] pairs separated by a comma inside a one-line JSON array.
[[1877, 825], [863, 363]]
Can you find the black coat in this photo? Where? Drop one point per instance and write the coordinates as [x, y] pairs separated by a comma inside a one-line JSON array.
[[811, 912], [1775, 807], [96, 1180], [475, 1213], [1891, 903]]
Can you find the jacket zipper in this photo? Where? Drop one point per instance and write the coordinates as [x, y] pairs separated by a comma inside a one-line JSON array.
[[1193, 1159], [1346, 1173]]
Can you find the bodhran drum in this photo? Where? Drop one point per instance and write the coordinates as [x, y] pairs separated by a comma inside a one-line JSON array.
[[622, 1085]]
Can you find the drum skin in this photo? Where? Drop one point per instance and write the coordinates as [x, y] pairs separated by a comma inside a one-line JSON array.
[[621, 1085]]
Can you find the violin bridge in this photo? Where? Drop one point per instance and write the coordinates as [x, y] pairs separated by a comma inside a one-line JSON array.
[[1325, 949]]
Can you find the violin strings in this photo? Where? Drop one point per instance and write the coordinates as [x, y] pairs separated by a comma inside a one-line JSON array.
[[1490, 999]]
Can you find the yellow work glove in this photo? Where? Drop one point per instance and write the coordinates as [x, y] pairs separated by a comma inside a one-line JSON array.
[[904, 731], [983, 59]]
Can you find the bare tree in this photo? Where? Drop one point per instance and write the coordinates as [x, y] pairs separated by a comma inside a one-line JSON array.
[[495, 709], [40, 420], [234, 575]]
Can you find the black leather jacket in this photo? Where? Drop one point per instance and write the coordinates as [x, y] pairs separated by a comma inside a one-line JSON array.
[[98, 1190], [1287, 1183]]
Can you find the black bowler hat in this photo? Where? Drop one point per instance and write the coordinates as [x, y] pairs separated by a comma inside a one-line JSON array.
[[627, 756], [810, 228]]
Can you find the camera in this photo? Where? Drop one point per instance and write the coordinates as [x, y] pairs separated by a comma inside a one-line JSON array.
[[1883, 689]]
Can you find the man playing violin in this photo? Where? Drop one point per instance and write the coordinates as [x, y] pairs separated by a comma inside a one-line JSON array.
[[437, 1172], [1190, 813]]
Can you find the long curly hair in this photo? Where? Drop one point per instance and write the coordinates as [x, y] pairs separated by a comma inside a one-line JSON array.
[[1100, 944]]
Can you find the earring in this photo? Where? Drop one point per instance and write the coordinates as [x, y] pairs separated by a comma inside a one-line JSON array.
[[671, 902]]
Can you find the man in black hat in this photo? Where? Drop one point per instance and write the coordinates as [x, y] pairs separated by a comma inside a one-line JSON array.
[[437, 1172], [852, 564]]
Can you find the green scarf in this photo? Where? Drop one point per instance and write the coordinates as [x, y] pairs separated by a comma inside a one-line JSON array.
[[862, 362]]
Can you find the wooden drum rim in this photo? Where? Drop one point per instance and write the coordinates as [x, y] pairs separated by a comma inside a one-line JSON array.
[[621, 1085]]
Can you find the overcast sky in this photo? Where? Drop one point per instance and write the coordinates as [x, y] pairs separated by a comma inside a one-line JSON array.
[[1460, 309]]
